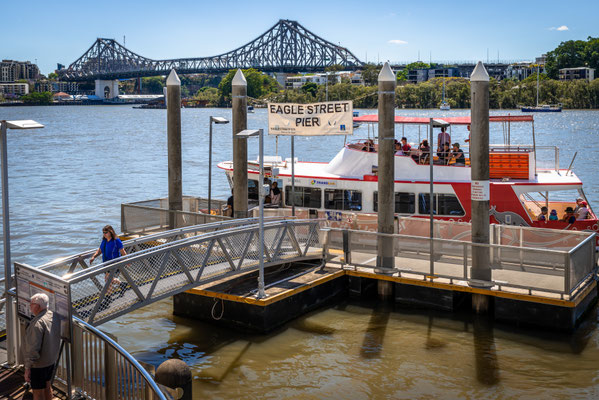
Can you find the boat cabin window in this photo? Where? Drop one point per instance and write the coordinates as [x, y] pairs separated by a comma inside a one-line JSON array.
[[339, 199], [405, 203], [443, 204], [253, 189], [304, 197]]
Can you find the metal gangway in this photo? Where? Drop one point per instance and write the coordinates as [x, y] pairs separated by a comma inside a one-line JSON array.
[[168, 263]]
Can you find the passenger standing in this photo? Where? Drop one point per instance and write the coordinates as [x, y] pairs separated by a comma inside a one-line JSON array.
[[41, 347], [443, 138]]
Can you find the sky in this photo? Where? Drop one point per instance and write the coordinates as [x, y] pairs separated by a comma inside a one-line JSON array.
[[376, 31]]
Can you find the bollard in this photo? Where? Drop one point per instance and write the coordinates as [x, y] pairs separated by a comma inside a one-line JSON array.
[[480, 273], [240, 151], [173, 118], [386, 170], [175, 374]]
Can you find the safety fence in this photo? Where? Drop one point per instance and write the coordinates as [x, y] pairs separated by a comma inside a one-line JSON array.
[[541, 268], [101, 369], [109, 290], [154, 215]]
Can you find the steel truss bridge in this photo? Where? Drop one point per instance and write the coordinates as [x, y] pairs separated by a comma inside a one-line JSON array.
[[286, 47]]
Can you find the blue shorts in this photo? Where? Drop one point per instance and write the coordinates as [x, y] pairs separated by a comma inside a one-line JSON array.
[[40, 376]]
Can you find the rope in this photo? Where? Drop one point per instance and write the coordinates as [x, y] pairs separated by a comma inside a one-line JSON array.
[[222, 311]]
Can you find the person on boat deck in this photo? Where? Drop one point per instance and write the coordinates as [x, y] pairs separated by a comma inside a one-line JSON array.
[[111, 246], [578, 201], [569, 216], [469, 133], [457, 155], [405, 147], [444, 155], [398, 150], [275, 194], [543, 215], [230, 210], [583, 211], [369, 146], [443, 138], [424, 152], [553, 215]]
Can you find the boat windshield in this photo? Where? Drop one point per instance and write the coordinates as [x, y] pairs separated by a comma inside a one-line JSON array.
[[557, 199]]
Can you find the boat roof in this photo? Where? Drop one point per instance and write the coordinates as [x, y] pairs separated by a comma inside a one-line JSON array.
[[466, 120]]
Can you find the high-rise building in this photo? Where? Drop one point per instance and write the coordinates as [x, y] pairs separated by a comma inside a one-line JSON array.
[[12, 71]]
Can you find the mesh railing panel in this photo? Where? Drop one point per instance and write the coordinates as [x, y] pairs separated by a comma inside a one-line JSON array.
[[582, 263], [111, 290]]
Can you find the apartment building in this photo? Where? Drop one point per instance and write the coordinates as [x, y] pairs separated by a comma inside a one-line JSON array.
[[11, 71]]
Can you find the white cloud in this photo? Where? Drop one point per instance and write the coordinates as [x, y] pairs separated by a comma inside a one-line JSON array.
[[559, 28], [397, 41]]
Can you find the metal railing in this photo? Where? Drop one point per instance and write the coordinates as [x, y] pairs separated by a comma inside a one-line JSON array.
[[109, 290], [154, 215], [101, 369], [560, 271]]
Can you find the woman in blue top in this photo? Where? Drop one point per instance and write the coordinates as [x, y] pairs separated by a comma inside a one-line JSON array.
[[111, 246]]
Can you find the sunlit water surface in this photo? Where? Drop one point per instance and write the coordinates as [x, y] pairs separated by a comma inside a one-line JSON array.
[[69, 179]]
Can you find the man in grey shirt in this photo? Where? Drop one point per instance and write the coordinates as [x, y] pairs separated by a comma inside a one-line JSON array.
[[42, 345]]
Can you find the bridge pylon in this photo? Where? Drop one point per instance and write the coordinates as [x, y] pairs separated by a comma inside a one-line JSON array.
[[107, 89]]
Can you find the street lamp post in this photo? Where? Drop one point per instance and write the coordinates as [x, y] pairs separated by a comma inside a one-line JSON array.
[[261, 193], [10, 323], [216, 120]]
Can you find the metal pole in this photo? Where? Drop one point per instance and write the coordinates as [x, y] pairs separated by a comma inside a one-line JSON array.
[[210, 168], [173, 116], [261, 293], [10, 348], [240, 159], [480, 193], [386, 170], [293, 176], [431, 200]]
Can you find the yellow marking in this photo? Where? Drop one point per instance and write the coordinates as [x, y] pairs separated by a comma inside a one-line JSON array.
[[269, 299]]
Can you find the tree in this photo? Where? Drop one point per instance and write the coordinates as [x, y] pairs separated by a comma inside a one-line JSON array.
[[572, 54], [258, 84], [309, 88], [53, 76], [153, 84], [37, 98], [370, 74]]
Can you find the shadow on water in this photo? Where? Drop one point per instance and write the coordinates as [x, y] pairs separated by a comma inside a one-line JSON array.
[[372, 345], [485, 355]]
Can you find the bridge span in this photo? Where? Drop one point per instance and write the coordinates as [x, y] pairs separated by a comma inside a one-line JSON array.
[[285, 47]]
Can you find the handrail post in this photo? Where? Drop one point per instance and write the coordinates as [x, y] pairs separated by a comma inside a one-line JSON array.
[[567, 264], [123, 219], [110, 372], [77, 357], [346, 250]]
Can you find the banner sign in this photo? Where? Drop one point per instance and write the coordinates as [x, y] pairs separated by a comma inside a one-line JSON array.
[[315, 119]]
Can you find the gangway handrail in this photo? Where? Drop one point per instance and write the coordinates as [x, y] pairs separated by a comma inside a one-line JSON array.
[[110, 290], [132, 257], [113, 390], [80, 258]]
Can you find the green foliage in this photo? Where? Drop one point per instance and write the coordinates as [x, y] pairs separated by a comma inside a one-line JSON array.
[[258, 84], [533, 78], [572, 54], [37, 98], [53, 76], [418, 65], [152, 85], [210, 94], [310, 88], [370, 74]]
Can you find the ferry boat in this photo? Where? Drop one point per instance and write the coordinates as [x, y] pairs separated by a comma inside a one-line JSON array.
[[348, 183]]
